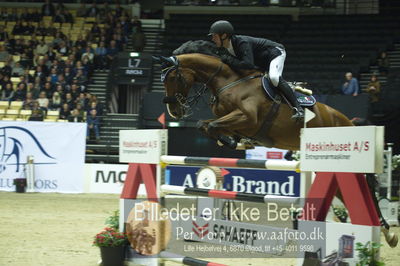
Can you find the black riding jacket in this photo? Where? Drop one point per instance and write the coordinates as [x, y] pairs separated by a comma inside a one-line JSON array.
[[254, 52]]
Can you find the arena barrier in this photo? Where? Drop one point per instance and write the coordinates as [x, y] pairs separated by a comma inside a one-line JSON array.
[[232, 162], [222, 194], [326, 180]]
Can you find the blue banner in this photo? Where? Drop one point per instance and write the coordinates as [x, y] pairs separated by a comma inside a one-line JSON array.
[[280, 183]]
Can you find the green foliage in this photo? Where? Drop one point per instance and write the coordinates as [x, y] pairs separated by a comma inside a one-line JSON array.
[[113, 220], [367, 254], [109, 237], [396, 162], [341, 213]]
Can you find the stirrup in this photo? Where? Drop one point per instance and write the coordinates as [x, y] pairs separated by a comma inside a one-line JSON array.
[[299, 113]]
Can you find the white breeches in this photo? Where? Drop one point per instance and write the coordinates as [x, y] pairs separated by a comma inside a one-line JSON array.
[[276, 67]]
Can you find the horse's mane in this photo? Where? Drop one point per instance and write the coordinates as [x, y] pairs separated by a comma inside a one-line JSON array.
[[207, 48]]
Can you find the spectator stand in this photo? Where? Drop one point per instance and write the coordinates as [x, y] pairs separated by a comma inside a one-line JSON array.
[[54, 52]]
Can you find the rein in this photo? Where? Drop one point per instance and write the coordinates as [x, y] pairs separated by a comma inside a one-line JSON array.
[[230, 85], [188, 102]]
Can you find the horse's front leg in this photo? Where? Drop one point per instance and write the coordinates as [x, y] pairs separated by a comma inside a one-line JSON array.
[[222, 128]]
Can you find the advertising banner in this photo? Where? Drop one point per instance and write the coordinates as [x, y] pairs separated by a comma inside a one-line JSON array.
[[263, 153], [279, 183], [107, 178], [58, 151], [142, 146], [342, 149]]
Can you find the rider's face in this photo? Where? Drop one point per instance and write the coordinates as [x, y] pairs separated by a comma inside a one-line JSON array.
[[216, 39]]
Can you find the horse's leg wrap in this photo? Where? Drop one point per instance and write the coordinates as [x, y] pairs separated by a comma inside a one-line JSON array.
[[228, 141]]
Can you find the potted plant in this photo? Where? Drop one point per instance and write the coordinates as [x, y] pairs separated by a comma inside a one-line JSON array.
[[367, 254], [20, 185], [111, 242]]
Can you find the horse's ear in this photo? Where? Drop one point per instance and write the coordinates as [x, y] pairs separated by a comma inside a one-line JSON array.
[[156, 58], [168, 61]]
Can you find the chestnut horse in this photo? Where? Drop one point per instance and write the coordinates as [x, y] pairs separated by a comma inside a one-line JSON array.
[[241, 109], [240, 105]]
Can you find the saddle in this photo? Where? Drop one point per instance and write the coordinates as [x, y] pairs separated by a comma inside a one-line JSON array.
[[303, 95]]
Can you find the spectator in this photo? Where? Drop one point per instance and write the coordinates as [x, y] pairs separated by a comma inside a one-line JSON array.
[[60, 17], [4, 54], [7, 93], [350, 87], [28, 103], [374, 89], [70, 101], [92, 11], [138, 40], [34, 89], [63, 49], [112, 52], [100, 56], [47, 90], [48, 9], [81, 11], [18, 70], [7, 69], [18, 28], [43, 101], [68, 75], [81, 100], [41, 29], [37, 112], [53, 76], [51, 55], [93, 124], [81, 78], [136, 24], [89, 54], [3, 34], [74, 91], [383, 64], [56, 101], [20, 92], [76, 116], [64, 112], [27, 76], [41, 49]]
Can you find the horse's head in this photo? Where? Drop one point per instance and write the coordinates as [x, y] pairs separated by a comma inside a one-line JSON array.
[[177, 82]]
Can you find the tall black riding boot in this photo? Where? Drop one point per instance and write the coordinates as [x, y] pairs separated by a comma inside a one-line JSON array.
[[289, 94]]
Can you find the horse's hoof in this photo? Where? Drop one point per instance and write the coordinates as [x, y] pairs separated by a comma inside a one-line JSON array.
[[201, 125], [391, 238], [228, 141]]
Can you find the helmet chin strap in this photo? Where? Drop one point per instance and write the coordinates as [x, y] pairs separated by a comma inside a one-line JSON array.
[[222, 40]]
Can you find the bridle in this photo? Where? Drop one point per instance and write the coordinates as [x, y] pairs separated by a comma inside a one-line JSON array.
[[185, 102]]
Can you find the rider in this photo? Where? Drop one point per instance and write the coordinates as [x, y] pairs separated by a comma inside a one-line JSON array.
[[254, 53]]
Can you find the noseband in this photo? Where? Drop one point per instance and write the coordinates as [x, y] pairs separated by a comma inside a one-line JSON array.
[[184, 101]]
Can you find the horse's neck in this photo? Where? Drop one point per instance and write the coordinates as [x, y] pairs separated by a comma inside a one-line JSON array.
[[208, 70]]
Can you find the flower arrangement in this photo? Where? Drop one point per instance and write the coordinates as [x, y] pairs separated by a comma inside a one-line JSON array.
[[110, 237]]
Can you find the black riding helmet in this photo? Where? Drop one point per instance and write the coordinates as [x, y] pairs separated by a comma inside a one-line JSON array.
[[221, 27]]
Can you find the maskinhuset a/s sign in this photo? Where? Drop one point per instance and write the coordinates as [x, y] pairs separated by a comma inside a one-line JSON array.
[[342, 149], [142, 146]]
